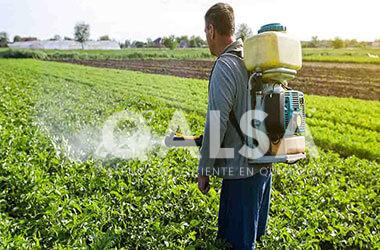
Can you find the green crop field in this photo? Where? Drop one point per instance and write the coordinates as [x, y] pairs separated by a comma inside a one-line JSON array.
[[348, 55], [131, 53], [50, 198]]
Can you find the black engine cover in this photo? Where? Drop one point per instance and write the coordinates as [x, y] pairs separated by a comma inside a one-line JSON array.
[[274, 106]]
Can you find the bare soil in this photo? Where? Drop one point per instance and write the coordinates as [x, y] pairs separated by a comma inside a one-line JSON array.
[[316, 78]]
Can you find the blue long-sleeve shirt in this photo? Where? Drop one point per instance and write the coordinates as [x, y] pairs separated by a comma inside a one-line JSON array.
[[228, 90]]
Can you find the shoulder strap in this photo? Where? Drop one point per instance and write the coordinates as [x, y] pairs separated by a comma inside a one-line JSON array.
[[236, 125], [232, 116], [232, 52], [236, 53]]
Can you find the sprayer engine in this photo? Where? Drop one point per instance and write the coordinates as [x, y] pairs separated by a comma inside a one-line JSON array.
[[286, 113]]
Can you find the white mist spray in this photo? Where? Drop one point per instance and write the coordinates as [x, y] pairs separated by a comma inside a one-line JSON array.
[[133, 143], [124, 135]]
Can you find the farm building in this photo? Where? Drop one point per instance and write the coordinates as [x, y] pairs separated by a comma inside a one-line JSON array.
[[66, 45], [28, 39], [183, 44], [376, 44], [158, 43]]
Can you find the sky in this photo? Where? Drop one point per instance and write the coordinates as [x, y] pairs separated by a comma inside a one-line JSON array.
[[142, 19]]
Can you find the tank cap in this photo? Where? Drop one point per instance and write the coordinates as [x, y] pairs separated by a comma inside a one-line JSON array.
[[272, 27]]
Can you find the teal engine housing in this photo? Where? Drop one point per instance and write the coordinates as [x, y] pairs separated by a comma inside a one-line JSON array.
[[286, 113]]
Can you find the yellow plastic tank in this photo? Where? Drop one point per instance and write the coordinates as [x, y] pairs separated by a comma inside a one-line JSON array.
[[272, 49]]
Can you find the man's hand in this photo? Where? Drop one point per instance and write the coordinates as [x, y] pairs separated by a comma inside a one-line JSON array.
[[203, 183]]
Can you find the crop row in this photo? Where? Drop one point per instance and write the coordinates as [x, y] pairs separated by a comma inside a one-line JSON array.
[[49, 201]]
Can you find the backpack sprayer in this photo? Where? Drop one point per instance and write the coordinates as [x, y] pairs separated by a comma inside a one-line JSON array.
[[272, 58]]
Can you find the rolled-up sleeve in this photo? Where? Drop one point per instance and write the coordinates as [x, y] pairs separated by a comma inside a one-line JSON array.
[[222, 94]]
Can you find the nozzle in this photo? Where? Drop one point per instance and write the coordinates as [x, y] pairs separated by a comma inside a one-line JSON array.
[[179, 140]]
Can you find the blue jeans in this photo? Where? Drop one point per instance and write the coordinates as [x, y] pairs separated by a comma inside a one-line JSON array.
[[244, 208]]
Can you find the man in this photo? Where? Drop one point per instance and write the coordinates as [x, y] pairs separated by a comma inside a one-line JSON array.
[[245, 193]]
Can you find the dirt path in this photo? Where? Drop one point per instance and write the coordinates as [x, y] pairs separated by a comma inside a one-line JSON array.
[[330, 79]]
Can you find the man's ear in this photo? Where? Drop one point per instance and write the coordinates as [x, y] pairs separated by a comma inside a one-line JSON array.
[[212, 31]]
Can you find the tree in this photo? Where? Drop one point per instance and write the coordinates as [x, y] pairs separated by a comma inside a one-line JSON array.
[[337, 43], [149, 43], [56, 38], [314, 43], [196, 42], [137, 44], [16, 38], [82, 32], [243, 31], [170, 42], [66, 38], [125, 44], [351, 43], [104, 38], [4, 39]]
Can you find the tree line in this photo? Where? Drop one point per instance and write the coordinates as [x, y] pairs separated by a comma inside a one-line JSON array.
[[82, 34], [336, 43]]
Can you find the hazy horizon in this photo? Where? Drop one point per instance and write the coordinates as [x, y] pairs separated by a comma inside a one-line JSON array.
[[144, 19]]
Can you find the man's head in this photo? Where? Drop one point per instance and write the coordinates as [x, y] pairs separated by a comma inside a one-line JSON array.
[[219, 27]]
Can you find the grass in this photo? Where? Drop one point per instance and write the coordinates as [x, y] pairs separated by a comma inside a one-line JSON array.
[[47, 200]]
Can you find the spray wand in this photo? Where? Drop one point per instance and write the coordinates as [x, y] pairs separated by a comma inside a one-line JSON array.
[[176, 139]]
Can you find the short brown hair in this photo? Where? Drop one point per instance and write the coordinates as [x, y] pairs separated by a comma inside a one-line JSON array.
[[221, 15]]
